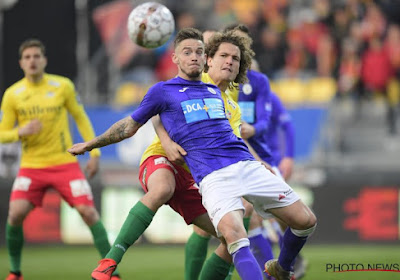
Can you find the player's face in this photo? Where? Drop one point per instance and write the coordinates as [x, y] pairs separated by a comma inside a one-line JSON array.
[[33, 62], [189, 56], [224, 66]]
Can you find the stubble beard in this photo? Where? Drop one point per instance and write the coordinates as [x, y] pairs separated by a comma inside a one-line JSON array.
[[193, 74]]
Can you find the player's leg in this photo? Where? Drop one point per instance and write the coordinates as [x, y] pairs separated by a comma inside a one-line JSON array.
[[259, 245], [232, 229], [196, 252], [158, 180], [217, 265], [266, 191], [301, 223], [18, 210], [27, 192], [76, 191], [222, 191], [248, 212]]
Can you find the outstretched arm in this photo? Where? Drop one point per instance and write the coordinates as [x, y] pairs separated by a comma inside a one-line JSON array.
[[119, 131]]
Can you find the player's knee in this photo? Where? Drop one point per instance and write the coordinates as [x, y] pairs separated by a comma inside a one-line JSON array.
[[304, 232], [161, 193], [16, 216], [89, 214]]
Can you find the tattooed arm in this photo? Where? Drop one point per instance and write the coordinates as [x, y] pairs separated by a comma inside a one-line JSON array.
[[119, 131]]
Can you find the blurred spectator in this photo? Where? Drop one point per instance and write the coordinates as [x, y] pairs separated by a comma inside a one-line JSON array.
[[270, 51], [392, 47], [349, 69], [326, 56], [376, 75]]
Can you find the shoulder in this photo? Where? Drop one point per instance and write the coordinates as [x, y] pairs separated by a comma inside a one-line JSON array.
[[15, 88], [257, 77], [58, 81]]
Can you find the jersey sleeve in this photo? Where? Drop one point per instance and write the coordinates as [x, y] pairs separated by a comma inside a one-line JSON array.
[[77, 111], [151, 105], [286, 124], [263, 99], [8, 117]]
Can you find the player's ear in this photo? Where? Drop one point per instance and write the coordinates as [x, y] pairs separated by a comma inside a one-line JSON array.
[[175, 58], [209, 61]]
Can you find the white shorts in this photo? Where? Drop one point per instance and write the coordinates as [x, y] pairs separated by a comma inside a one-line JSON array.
[[222, 190]]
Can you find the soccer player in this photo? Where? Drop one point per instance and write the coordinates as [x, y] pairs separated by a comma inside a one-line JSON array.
[[39, 103], [168, 183], [253, 98], [219, 161]]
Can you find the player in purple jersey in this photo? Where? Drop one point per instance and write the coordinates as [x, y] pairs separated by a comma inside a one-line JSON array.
[[219, 161], [168, 183], [281, 120]]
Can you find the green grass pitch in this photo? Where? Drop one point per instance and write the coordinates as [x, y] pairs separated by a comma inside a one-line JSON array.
[[151, 262]]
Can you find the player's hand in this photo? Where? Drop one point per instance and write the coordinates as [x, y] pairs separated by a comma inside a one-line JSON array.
[[247, 130], [175, 153], [78, 149], [286, 167], [33, 127], [92, 167]]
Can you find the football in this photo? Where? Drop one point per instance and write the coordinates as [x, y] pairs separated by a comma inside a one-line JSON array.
[[150, 25]]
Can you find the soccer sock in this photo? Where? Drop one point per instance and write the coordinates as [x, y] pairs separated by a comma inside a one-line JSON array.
[[195, 255], [246, 223], [100, 239], [246, 265], [291, 247], [15, 242], [137, 221], [260, 247], [214, 268]]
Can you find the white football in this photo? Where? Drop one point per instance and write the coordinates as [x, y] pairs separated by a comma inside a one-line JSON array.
[[150, 25]]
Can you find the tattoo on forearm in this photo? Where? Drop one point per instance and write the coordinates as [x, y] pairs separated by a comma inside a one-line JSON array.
[[119, 131]]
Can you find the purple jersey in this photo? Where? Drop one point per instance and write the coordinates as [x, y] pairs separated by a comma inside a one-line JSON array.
[[254, 101], [193, 114], [280, 119]]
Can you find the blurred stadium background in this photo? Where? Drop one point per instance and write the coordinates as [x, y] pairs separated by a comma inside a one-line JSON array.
[[315, 53]]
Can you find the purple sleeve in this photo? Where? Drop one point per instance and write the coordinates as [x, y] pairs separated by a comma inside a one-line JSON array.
[[285, 123], [151, 105], [263, 110]]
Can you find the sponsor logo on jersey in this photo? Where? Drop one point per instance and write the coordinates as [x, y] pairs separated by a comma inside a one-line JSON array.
[[248, 111], [268, 106], [50, 94], [54, 83], [203, 109], [183, 90], [230, 102], [211, 90], [247, 89], [19, 90]]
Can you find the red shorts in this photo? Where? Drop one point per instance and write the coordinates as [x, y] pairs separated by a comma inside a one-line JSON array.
[[31, 184], [186, 199]]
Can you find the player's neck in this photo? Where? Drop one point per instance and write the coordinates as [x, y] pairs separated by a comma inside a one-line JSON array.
[[222, 85], [189, 78], [34, 78]]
